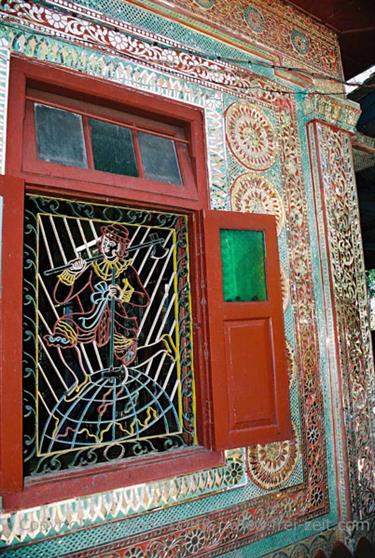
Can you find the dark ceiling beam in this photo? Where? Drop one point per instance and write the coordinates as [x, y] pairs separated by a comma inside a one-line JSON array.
[[360, 30]]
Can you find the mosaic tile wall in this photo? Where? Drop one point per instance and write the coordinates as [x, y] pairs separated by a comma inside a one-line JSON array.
[[281, 28], [266, 497]]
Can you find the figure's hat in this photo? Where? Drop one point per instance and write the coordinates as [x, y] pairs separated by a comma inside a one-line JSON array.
[[116, 232]]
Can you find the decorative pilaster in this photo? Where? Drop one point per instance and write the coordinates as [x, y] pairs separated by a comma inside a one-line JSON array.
[[337, 215]]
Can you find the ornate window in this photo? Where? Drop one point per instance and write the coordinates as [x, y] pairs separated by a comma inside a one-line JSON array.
[[147, 327], [108, 348]]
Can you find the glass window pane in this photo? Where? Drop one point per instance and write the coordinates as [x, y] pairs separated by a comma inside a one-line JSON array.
[[59, 136], [113, 149], [243, 265], [159, 158]]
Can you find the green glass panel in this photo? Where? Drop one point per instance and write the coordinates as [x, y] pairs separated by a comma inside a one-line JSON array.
[[243, 265], [112, 148]]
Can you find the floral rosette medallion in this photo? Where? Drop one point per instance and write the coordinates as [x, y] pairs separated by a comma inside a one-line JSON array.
[[299, 41], [271, 465], [251, 136], [254, 18], [251, 193]]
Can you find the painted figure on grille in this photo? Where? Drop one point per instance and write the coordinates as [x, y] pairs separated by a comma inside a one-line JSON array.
[[101, 299]]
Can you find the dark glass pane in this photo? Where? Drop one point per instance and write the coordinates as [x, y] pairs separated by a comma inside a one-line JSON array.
[[243, 265], [159, 158], [112, 148], [59, 136]]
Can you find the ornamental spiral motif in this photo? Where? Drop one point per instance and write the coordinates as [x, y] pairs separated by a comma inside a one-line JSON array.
[[254, 194], [271, 465], [251, 136]]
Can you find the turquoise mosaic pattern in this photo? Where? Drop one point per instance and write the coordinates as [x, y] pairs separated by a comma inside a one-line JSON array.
[[143, 19], [248, 19], [323, 541], [274, 175], [70, 515], [47, 48], [194, 494], [4, 73]]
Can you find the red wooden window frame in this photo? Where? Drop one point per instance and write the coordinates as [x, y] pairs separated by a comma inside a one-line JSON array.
[[186, 190], [46, 178], [12, 193], [213, 379], [45, 82], [249, 386]]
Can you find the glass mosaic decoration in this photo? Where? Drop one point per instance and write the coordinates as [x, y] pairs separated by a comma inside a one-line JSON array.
[[371, 296]]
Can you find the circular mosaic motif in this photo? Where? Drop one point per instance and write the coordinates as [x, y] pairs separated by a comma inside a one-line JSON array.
[[251, 136], [206, 4], [195, 540], [271, 465], [254, 18], [234, 473], [251, 193], [299, 41]]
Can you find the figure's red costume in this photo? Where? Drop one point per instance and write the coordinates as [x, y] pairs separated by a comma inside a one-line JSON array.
[[87, 296]]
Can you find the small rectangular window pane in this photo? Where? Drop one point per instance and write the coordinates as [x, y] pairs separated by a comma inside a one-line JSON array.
[[243, 265], [159, 158], [59, 136], [113, 149]]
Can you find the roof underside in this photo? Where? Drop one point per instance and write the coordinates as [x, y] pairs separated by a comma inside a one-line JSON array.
[[354, 22]]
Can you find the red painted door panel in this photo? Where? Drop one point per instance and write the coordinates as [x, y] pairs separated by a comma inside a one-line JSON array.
[[246, 335], [247, 342], [12, 198]]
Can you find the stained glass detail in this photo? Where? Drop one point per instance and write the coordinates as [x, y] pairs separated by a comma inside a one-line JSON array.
[[112, 148], [108, 371], [243, 265], [59, 136], [159, 158]]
